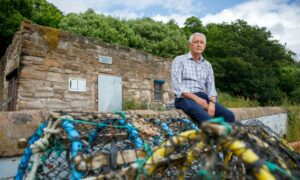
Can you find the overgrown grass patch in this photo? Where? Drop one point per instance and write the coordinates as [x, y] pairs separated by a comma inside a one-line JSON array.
[[235, 102], [129, 104], [293, 112]]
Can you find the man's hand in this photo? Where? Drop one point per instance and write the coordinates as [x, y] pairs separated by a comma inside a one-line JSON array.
[[198, 100], [202, 103], [211, 109]]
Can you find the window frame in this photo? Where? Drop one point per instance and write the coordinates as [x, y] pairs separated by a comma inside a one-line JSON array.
[[78, 89], [158, 90]]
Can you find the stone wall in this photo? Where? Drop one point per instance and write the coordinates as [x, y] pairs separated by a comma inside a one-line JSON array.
[[9, 62], [48, 57], [16, 125]]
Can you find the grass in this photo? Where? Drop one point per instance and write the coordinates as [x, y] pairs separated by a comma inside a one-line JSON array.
[[293, 122], [134, 105], [293, 111], [235, 102]]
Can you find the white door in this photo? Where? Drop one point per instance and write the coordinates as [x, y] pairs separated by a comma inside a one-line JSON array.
[[109, 93]]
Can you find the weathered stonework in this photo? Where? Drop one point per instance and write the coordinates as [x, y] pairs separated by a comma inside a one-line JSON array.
[[46, 58], [15, 125], [9, 62]]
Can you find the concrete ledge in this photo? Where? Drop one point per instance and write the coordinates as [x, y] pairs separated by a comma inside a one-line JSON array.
[[16, 125], [240, 113], [22, 124], [277, 122], [255, 112]]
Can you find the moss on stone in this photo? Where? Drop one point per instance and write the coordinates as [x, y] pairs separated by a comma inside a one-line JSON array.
[[51, 36]]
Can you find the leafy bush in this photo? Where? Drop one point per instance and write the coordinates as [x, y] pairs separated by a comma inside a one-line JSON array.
[[295, 95]]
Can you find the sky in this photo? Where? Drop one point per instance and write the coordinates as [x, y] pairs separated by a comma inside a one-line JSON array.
[[280, 17]]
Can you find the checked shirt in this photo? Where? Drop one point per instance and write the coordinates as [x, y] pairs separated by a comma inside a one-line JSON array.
[[192, 76]]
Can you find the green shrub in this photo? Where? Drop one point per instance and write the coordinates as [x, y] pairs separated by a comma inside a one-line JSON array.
[[295, 95], [129, 104]]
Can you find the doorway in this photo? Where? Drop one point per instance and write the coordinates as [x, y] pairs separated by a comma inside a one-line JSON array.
[[109, 93]]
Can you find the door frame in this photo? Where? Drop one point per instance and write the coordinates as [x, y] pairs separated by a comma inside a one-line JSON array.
[[99, 89]]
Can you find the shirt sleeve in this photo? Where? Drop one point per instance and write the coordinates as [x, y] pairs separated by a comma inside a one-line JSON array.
[[211, 88], [176, 75]]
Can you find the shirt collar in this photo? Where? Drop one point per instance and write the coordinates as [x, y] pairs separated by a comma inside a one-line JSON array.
[[190, 57]]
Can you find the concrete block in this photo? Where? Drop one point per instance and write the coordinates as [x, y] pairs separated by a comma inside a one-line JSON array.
[[16, 125]]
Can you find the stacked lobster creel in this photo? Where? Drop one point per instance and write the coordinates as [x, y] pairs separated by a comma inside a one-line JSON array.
[[274, 152], [82, 145]]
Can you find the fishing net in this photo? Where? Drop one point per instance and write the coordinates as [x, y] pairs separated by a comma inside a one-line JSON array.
[[78, 145]]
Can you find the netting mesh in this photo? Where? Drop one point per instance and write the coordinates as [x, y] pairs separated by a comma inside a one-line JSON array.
[[115, 146]]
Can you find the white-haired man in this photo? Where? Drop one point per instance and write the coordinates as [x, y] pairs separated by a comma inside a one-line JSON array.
[[194, 85]]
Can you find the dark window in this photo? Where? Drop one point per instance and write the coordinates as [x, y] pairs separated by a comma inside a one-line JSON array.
[[12, 90], [158, 90]]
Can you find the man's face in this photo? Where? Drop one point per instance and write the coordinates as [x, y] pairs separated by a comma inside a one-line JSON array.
[[198, 45]]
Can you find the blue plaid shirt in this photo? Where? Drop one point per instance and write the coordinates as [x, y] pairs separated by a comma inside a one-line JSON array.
[[192, 76]]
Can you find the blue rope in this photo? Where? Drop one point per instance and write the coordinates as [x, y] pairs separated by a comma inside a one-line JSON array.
[[122, 114], [165, 127], [156, 140], [76, 145], [190, 123], [93, 135], [134, 135], [67, 124], [27, 153], [132, 131]]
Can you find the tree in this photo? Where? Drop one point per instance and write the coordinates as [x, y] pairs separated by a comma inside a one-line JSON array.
[[45, 13], [249, 63], [192, 25], [146, 34], [10, 18], [98, 26], [12, 13], [295, 95], [289, 77]]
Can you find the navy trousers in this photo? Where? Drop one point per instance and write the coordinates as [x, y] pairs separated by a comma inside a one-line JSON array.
[[198, 114]]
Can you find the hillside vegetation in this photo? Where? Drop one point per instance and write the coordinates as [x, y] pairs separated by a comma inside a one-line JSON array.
[[251, 68], [248, 63]]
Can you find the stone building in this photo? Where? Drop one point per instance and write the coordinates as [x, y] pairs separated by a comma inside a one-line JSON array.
[[45, 68]]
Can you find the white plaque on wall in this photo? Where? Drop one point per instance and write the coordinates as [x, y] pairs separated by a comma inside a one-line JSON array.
[[105, 59], [77, 84]]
